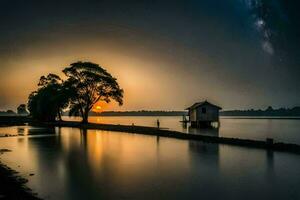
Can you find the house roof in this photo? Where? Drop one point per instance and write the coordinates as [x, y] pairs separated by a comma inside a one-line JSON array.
[[202, 103]]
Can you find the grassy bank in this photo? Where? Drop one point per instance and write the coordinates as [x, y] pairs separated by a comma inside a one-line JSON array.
[[268, 144], [13, 186]]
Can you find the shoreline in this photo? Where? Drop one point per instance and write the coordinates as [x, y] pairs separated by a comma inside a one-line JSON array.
[[14, 120], [269, 144], [12, 186]]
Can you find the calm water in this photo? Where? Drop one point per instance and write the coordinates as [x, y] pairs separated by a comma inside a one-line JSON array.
[[73, 164], [285, 130]]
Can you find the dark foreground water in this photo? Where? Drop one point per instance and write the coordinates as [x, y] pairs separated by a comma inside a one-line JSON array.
[[73, 164]]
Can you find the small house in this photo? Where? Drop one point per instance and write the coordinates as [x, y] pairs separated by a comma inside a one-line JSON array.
[[203, 114]]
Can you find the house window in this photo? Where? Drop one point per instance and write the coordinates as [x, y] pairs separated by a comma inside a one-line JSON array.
[[203, 110]]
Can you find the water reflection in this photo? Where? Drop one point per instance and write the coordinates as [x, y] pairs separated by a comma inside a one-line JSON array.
[[90, 164], [40, 130], [209, 153], [21, 130], [104, 160], [284, 130], [270, 164], [25, 130], [213, 131], [210, 131], [204, 148]]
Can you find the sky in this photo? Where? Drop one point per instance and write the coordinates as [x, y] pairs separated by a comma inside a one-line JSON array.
[[166, 55]]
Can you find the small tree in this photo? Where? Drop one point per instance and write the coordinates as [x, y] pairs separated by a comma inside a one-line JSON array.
[[47, 102], [10, 112], [90, 83], [21, 110]]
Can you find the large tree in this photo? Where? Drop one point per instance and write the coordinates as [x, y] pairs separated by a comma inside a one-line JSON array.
[[91, 83]]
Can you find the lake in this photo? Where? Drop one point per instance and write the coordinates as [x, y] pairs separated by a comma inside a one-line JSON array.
[[69, 163], [285, 130]]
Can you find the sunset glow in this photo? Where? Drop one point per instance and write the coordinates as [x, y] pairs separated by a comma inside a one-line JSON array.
[[100, 107], [144, 99], [186, 64]]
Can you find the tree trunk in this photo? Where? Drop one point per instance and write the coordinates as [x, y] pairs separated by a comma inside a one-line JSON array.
[[85, 117], [59, 115]]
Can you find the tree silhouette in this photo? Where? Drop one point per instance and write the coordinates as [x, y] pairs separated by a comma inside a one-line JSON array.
[[47, 102], [86, 84], [21, 110], [90, 83]]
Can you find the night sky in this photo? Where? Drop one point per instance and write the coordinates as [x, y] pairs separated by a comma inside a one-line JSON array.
[[166, 54]]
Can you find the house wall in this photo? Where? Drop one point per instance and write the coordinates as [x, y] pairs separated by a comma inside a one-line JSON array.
[[193, 115], [212, 113]]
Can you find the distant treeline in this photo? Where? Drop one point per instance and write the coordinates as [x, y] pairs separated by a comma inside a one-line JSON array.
[[267, 112], [251, 112], [139, 113], [7, 113]]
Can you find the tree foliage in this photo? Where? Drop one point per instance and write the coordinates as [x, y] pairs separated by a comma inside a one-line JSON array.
[[21, 109], [91, 84], [47, 102], [86, 84]]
